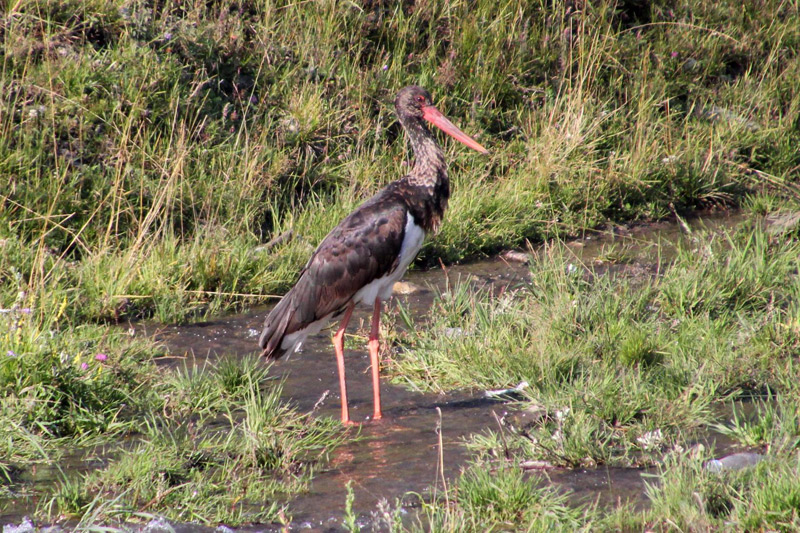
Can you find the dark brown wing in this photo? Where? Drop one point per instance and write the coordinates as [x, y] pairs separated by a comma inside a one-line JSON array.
[[365, 246]]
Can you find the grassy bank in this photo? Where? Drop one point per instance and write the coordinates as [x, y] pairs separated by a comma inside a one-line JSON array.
[[629, 367], [204, 444], [621, 367], [223, 448], [684, 496], [147, 149]]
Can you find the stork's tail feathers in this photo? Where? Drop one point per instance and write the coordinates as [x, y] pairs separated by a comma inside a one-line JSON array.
[[272, 336]]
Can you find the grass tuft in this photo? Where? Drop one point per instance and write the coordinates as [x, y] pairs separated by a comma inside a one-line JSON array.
[[502, 500], [236, 460]]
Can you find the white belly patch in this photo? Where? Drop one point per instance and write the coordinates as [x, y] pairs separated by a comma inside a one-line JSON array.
[[382, 287]]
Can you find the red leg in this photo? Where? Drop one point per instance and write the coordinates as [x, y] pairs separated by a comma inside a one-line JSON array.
[[338, 347], [374, 346]]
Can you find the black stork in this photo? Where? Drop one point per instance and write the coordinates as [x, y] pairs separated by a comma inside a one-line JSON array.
[[360, 259]]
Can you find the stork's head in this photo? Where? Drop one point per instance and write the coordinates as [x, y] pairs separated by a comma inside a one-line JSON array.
[[415, 103]]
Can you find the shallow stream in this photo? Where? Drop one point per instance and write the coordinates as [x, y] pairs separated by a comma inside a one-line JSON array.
[[401, 454]]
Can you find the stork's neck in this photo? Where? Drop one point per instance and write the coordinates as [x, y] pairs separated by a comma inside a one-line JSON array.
[[426, 188], [430, 169]]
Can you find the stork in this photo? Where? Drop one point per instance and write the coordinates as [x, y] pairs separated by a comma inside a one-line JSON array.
[[359, 261]]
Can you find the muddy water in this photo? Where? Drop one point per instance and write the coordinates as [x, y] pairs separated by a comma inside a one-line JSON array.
[[390, 458], [401, 454]]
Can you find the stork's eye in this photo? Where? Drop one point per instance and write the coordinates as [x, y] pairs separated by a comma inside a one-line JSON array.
[[421, 99]]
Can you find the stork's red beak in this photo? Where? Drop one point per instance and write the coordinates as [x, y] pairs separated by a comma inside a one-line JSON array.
[[435, 117]]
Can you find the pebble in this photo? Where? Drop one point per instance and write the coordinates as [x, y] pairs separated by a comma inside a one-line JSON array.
[[454, 333], [535, 465], [158, 525], [516, 257], [528, 417], [736, 461], [405, 287], [24, 527]]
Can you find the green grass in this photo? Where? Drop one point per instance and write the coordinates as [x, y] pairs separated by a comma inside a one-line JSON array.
[[494, 494], [149, 149], [204, 444], [683, 496], [687, 497], [66, 383], [503, 499], [223, 448], [630, 370], [624, 368], [773, 424]]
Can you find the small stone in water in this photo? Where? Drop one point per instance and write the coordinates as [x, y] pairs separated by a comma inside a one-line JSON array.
[[24, 527], [158, 525], [736, 461], [453, 333], [528, 417], [404, 287], [516, 257], [535, 465]]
